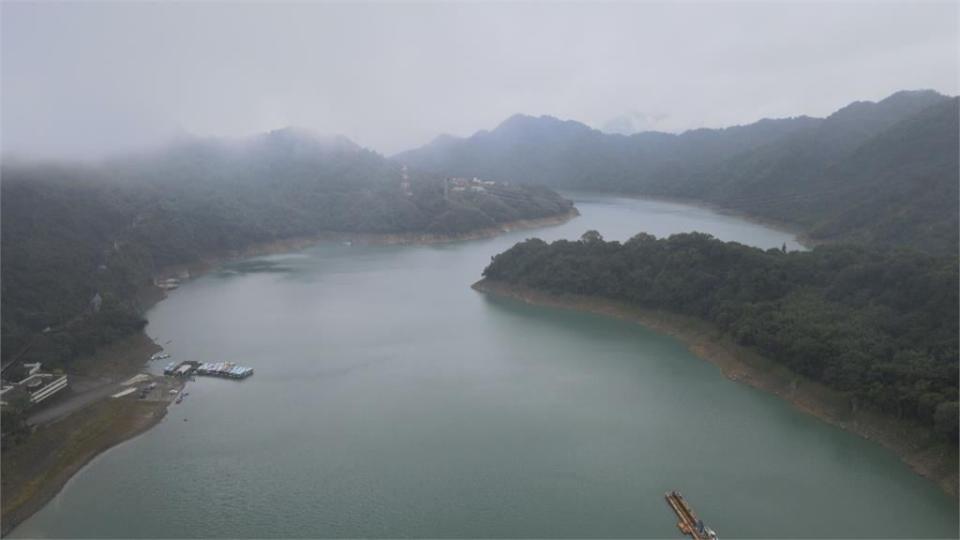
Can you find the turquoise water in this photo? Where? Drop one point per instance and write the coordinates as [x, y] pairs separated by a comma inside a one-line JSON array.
[[390, 399]]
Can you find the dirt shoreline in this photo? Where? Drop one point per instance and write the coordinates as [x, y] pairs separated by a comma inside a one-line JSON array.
[[110, 426], [91, 432], [37, 469], [914, 445]]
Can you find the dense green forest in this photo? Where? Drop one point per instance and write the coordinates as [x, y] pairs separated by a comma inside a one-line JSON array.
[[883, 173], [880, 324], [70, 231]]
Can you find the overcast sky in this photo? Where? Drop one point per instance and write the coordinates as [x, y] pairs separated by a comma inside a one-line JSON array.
[[84, 79]]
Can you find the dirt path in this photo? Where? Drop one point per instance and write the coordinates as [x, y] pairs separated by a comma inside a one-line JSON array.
[[95, 377], [72, 401]]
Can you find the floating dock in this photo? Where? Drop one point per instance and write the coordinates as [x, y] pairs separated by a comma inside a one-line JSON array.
[[181, 369], [224, 369], [227, 370], [688, 522]]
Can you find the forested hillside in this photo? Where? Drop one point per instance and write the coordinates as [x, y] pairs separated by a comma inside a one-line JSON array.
[[70, 231], [879, 324], [879, 173]]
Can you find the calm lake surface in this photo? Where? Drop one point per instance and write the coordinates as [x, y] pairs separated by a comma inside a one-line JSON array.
[[390, 399]]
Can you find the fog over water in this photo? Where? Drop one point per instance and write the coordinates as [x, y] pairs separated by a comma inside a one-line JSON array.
[[84, 79], [391, 400]]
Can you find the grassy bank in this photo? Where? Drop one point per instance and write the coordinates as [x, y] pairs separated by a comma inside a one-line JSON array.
[[35, 470], [916, 445]]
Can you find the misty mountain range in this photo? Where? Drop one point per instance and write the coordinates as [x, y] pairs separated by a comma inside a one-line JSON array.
[[70, 231], [882, 173], [633, 122], [873, 173]]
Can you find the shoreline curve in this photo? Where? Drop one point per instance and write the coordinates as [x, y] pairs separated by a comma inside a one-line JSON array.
[[913, 445]]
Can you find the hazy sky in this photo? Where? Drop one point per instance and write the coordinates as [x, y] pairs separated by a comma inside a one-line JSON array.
[[83, 79]]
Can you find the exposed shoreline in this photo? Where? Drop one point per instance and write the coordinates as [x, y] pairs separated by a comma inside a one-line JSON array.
[[51, 485], [117, 358], [37, 469], [914, 445]]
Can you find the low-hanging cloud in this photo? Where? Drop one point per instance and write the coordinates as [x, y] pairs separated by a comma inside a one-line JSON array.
[[86, 79]]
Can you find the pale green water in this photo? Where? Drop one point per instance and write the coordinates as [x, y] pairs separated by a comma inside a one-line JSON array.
[[390, 399]]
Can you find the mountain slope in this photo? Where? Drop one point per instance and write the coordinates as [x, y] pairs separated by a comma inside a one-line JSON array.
[[72, 231], [901, 186], [803, 171]]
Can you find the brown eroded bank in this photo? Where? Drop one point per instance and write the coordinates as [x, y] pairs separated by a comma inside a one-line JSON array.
[[915, 445]]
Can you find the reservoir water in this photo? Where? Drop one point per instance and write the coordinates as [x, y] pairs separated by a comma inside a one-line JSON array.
[[391, 400]]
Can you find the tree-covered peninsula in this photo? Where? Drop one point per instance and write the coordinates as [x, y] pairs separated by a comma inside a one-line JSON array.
[[879, 326]]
